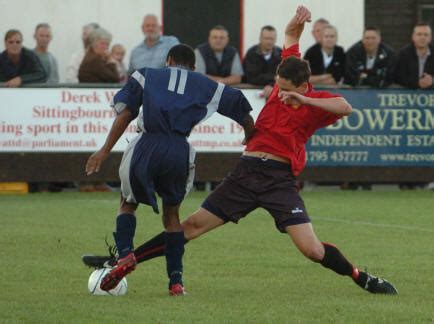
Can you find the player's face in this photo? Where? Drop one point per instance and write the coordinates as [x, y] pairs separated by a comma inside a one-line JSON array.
[[287, 85], [218, 39], [329, 38], [421, 36], [43, 36], [14, 44], [151, 28], [267, 40], [371, 40], [317, 30]]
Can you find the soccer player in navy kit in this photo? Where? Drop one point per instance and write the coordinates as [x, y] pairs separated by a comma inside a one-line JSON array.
[[174, 100], [265, 175]]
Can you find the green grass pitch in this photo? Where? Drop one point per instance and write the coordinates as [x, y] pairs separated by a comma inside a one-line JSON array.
[[245, 273]]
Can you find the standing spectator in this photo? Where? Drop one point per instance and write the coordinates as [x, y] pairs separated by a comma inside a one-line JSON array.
[[415, 67], [118, 54], [370, 62], [261, 61], [218, 60], [152, 52], [43, 38], [327, 61], [19, 65], [97, 65], [77, 57]]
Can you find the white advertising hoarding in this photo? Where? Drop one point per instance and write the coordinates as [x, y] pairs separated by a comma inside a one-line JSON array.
[[78, 120]]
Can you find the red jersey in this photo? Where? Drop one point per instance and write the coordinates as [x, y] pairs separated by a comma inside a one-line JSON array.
[[283, 130]]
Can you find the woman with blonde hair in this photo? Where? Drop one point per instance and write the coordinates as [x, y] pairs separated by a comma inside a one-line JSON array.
[[97, 65]]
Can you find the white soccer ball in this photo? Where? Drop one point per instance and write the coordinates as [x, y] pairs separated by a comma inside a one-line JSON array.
[[95, 280]]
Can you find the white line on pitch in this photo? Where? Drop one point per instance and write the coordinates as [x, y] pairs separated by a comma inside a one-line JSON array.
[[402, 227]]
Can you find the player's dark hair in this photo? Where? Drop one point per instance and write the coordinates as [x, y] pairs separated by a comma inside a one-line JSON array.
[[295, 70], [269, 28], [372, 28], [182, 54]]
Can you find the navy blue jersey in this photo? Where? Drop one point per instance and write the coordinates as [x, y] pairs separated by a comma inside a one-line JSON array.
[[174, 100]]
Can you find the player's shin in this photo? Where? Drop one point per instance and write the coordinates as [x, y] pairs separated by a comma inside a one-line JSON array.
[[336, 261], [153, 248], [124, 235], [174, 251]]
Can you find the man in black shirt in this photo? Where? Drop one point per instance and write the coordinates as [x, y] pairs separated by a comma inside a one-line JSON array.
[[19, 65], [415, 67], [261, 60], [327, 60], [370, 62]]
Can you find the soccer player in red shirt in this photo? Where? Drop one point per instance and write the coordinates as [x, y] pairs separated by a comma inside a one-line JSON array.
[[265, 175]]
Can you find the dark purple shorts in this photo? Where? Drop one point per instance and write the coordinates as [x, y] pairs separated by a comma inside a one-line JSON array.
[[257, 183]]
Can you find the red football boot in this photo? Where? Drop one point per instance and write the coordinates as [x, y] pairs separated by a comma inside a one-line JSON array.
[[177, 290], [123, 267]]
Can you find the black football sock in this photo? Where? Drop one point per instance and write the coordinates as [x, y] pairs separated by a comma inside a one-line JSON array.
[[174, 251], [152, 248], [335, 260], [124, 235]]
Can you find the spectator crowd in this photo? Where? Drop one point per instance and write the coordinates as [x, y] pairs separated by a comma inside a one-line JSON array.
[[370, 62]]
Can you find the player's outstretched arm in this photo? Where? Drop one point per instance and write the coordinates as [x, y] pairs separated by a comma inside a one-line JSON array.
[[295, 27], [337, 105], [119, 126]]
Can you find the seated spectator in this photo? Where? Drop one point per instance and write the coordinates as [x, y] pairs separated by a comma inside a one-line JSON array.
[[326, 59], [415, 67], [261, 61], [18, 65], [370, 62], [218, 60], [77, 57], [152, 52], [117, 54], [317, 28], [43, 38], [97, 66]]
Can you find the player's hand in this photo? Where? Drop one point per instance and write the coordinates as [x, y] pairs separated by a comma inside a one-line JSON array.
[[95, 161], [295, 27], [302, 15], [292, 98]]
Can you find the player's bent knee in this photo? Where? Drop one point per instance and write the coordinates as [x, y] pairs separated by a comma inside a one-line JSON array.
[[313, 252], [191, 228], [126, 207]]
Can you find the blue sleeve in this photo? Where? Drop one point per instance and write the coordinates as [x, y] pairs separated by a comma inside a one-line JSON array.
[[234, 105], [130, 96]]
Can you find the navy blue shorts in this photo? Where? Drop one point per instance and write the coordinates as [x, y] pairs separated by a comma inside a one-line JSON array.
[[154, 163], [257, 183]]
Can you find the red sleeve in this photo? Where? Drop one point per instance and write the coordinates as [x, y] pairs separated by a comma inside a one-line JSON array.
[[293, 50], [322, 117]]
